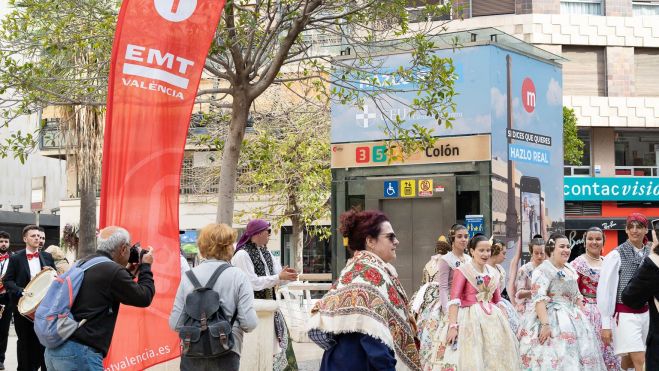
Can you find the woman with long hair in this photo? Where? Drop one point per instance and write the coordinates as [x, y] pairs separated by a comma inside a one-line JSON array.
[[557, 335], [588, 267], [477, 335], [364, 322]]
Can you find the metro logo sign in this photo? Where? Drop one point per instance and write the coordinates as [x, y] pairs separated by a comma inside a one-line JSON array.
[[528, 95]]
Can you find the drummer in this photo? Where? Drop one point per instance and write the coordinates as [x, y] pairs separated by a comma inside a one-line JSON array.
[[23, 266]]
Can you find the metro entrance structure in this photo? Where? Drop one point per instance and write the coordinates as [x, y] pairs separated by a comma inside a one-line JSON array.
[[502, 159]]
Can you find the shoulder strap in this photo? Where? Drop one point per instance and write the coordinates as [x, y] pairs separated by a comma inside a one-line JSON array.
[[216, 275], [193, 279], [92, 262]]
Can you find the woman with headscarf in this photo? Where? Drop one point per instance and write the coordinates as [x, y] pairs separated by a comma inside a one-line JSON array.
[[363, 322], [265, 272]]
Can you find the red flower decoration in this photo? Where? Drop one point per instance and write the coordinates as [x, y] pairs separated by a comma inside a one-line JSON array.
[[393, 296], [358, 267], [486, 280], [347, 278], [373, 276]]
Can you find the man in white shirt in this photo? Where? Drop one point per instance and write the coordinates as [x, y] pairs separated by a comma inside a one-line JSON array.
[[626, 327]]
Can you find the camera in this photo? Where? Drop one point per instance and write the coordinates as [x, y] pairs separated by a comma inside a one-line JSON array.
[[136, 254], [655, 225]]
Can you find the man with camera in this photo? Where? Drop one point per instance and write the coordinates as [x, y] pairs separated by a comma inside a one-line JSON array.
[[104, 287]]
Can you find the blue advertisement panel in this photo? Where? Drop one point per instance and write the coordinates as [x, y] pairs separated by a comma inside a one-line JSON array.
[[611, 189], [527, 147], [472, 116]]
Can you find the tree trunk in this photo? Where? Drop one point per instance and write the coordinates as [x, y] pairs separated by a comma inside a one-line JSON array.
[[230, 157], [297, 243], [87, 230]]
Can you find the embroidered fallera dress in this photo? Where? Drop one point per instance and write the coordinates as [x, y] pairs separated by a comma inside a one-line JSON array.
[[523, 282], [573, 343], [435, 296], [511, 313], [485, 340], [588, 279]]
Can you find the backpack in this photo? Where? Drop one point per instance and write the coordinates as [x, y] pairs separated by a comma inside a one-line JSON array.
[[203, 328], [53, 320]]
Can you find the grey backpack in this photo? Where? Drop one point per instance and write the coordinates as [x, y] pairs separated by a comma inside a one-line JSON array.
[[204, 330]]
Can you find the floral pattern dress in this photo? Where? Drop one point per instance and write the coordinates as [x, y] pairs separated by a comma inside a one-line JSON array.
[[485, 341], [511, 313], [588, 280], [430, 302], [523, 282], [573, 343]]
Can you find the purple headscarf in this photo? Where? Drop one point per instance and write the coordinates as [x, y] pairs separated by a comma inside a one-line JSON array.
[[253, 227]]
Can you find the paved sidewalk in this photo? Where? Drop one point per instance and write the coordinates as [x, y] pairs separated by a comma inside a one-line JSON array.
[[308, 354]]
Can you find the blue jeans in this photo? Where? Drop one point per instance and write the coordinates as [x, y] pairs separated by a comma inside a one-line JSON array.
[[72, 356]]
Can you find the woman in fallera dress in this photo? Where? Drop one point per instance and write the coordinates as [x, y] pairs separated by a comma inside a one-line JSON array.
[[523, 280], [433, 313], [588, 266], [558, 336], [497, 257], [477, 334]]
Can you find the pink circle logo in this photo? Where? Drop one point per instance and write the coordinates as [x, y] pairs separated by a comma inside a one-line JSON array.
[[528, 95]]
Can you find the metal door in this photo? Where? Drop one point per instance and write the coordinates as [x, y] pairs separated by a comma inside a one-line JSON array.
[[417, 223]]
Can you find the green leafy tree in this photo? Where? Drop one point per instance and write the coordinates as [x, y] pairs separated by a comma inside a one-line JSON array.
[[572, 145], [55, 53], [288, 162], [261, 43]]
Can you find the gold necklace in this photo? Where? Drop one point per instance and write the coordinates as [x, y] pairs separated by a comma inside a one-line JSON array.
[[593, 259]]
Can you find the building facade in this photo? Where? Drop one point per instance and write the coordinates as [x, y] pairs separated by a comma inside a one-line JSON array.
[[611, 80]]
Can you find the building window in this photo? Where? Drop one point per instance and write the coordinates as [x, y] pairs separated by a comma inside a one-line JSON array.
[[316, 253], [636, 152], [646, 65], [645, 7], [491, 7], [591, 7], [584, 70]]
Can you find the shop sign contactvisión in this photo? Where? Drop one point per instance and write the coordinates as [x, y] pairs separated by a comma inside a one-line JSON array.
[[446, 150], [611, 189]]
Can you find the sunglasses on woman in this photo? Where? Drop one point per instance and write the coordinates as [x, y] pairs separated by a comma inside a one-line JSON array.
[[391, 236]]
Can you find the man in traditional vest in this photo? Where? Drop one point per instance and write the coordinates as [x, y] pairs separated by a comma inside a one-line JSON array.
[[625, 326], [264, 273]]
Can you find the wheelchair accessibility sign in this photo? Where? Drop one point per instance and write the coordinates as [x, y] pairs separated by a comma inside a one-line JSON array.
[[391, 189]]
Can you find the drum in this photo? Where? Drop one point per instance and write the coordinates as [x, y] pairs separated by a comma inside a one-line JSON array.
[[35, 291]]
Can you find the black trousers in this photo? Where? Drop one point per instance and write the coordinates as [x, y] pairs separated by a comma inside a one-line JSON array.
[[5, 322], [29, 349]]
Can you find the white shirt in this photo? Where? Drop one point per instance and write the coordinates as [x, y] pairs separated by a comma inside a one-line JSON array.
[[3, 266], [185, 266], [607, 288], [34, 263], [242, 260]]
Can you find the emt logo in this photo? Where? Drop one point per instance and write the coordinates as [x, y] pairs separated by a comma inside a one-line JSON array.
[[175, 10]]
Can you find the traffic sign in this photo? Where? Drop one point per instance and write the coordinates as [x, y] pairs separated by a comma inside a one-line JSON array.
[[391, 189], [425, 188], [408, 188]]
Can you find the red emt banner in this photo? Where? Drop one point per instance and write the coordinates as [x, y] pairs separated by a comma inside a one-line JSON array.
[[158, 55]]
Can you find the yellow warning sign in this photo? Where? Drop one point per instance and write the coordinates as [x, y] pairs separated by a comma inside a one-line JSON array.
[[425, 188], [408, 188]]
